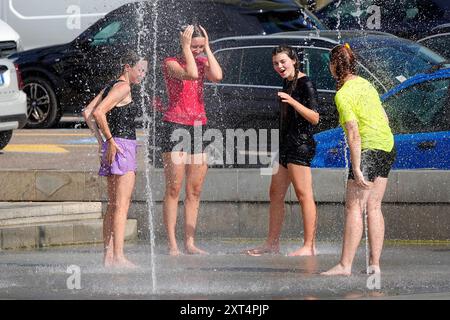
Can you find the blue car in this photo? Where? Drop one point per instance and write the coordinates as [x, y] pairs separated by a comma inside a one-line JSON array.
[[419, 115]]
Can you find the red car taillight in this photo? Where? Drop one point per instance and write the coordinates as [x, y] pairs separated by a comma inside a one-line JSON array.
[[19, 77]]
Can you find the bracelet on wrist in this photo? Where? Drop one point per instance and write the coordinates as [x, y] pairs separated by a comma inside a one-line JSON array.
[[109, 138]]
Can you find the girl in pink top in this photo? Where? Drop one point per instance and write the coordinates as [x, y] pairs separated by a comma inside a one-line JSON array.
[[184, 76]]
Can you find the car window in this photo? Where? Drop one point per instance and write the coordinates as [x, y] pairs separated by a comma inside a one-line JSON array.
[[114, 32], [316, 67], [257, 69], [369, 76], [394, 62], [230, 60], [423, 107], [440, 44]]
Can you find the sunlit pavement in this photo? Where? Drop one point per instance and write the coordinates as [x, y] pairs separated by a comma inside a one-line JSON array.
[[57, 149], [410, 271]]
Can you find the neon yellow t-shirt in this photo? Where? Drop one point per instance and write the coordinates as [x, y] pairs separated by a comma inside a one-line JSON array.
[[358, 100]]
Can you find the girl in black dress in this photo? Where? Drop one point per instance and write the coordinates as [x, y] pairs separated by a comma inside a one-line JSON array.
[[298, 104]]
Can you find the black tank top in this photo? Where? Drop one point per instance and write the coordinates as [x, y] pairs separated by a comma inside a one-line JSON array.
[[121, 120]]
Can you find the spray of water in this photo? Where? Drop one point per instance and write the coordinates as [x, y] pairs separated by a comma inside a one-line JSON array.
[[148, 120], [338, 24]]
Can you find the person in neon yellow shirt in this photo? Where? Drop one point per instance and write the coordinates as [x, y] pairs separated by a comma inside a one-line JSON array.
[[372, 154]]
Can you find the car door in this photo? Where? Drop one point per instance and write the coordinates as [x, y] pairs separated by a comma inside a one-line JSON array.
[[420, 119], [246, 99]]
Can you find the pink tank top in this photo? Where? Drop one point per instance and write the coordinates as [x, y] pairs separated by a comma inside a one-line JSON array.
[[186, 105]]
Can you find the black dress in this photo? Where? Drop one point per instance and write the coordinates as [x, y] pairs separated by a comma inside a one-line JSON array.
[[297, 145]]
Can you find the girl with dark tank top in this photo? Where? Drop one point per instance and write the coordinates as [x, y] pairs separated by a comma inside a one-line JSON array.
[[298, 116], [111, 117]]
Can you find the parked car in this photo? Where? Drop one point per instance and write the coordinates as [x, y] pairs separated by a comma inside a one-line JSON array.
[[419, 115], [56, 21], [67, 76], [438, 40], [9, 40], [246, 97], [411, 19], [13, 102]]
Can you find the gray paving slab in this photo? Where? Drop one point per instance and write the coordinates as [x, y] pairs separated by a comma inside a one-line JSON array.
[[409, 272]]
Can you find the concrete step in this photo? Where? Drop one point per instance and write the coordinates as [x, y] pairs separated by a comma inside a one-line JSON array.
[[40, 235], [49, 219], [14, 210], [26, 213]]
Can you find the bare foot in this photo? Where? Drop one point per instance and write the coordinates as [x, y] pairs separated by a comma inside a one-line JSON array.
[[338, 270], [123, 263], [194, 250], [265, 249], [303, 252], [174, 252], [374, 269], [107, 263]]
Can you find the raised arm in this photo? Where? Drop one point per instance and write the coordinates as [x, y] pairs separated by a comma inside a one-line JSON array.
[[190, 72], [213, 70]]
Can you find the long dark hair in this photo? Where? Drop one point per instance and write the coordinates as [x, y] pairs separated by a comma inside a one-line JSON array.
[[290, 52], [344, 60]]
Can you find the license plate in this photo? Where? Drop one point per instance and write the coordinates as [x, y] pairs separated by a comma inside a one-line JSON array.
[[1, 79]]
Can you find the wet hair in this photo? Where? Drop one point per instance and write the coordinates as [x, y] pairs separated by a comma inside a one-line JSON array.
[[129, 57], [344, 60], [290, 52], [198, 33]]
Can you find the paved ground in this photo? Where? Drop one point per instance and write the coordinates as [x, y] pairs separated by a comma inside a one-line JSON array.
[[409, 272], [56, 149]]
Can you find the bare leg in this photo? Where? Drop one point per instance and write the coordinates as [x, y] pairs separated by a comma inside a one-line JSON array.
[[302, 180], [174, 170], [356, 199], [376, 222], [278, 188], [124, 190], [195, 176], [108, 223]]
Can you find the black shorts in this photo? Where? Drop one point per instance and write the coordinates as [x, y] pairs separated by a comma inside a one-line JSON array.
[[175, 137], [300, 152], [375, 163]]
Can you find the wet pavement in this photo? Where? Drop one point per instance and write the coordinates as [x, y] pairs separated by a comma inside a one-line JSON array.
[[410, 271]]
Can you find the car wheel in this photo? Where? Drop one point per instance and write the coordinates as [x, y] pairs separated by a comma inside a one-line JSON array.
[[42, 104], [5, 137]]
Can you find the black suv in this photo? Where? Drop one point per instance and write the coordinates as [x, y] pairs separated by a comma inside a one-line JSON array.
[[61, 79]]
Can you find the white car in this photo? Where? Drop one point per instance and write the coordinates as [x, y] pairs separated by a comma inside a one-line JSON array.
[[9, 40], [13, 101]]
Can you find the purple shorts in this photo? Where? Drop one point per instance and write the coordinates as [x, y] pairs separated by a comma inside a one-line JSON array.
[[122, 163]]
